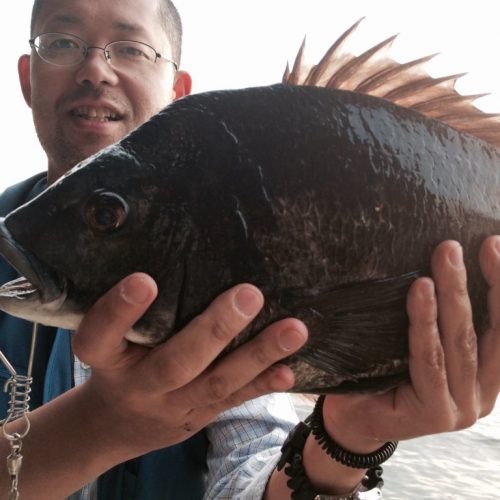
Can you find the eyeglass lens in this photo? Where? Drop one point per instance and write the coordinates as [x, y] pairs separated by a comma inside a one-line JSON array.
[[64, 50]]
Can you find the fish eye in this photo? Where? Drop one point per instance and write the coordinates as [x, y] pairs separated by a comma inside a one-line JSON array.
[[105, 211]]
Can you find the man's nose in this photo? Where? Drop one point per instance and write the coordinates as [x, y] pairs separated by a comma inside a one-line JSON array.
[[95, 69]]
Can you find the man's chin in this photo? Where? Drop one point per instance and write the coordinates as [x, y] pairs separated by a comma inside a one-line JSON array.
[[87, 145], [65, 160]]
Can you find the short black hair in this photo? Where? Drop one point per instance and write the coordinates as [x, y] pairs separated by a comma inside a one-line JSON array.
[[170, 21], [172, 25]]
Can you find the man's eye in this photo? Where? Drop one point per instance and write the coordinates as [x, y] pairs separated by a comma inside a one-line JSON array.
[[132, 52], [62, 44]]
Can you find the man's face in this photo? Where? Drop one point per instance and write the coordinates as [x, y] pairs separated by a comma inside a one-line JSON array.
[[80, 109]]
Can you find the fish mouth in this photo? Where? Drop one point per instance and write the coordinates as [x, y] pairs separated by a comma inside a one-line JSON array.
[[39, 281]]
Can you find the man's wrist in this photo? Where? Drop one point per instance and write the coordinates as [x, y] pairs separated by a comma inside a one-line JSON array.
[[339, 453], [327, 475], [304, 486], [318, 467], [349, 437]]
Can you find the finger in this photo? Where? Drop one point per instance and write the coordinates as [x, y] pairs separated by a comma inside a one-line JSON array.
[[489, 343], [188, 353], [455, 323], [277, 378], [426, 362], [244, 365], [99, 340]]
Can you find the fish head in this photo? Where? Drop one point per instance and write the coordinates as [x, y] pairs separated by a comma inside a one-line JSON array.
[[105, 219]]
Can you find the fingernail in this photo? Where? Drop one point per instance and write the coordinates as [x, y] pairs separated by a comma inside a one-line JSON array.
[[497, 245], [134, 290], [291, 339], [427, 289], [456, 256], [247, 302], [282, 378]]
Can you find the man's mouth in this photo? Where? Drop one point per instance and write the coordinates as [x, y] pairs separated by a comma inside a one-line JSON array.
[[95, 114]]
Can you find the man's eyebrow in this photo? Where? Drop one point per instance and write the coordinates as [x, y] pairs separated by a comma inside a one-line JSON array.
[[67, 19], [129, 27]]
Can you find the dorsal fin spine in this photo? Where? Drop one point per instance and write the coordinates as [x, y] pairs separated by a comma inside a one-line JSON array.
[[405, 84]]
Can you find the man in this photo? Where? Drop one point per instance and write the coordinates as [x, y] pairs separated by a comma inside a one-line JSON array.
[[136, 400]]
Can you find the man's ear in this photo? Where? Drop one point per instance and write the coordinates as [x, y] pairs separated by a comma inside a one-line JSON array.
[[23, 69], [182, 84]]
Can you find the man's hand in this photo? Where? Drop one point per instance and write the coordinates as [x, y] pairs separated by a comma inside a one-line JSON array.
[[151, 398], [139, 399], [454, 380]]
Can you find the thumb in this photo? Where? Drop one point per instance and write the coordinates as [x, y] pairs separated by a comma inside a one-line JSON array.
[[101, 334]]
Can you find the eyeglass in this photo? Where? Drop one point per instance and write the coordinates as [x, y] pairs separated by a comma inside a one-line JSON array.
[[64, 49]]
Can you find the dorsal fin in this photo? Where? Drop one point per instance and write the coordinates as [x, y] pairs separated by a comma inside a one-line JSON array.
[[405, 84], [330, 59]]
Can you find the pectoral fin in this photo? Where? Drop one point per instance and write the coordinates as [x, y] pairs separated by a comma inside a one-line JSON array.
[[358, 335]]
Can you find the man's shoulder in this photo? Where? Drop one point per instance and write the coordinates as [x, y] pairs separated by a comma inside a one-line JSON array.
[[14, 196]]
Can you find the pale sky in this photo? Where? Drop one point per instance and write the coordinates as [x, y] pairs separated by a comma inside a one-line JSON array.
[[236, 43]]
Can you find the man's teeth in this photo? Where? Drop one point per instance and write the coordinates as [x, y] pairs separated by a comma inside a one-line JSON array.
[[95, 114]]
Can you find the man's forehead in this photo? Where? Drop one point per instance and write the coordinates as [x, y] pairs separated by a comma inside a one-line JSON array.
[[76, 20], [133, 16]]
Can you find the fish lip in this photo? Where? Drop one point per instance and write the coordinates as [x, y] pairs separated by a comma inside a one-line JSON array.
[[49, 284]]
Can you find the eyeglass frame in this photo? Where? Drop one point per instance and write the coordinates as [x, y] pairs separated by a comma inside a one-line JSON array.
[[87, 47]]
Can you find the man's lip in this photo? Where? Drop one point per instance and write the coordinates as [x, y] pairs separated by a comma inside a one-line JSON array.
[[103, 105], [92, 125], [83, 120]]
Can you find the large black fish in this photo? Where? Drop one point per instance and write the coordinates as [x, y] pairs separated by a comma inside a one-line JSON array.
[[329, 200]]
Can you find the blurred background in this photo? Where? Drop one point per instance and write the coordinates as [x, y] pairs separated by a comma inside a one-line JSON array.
[[236, 43]]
